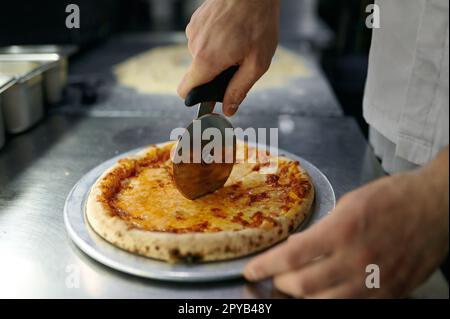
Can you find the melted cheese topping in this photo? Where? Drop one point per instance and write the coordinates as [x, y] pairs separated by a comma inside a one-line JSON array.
[[142, 192]]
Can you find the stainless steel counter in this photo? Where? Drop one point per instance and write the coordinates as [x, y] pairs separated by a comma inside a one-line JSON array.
[[38, 169], [307, 96]]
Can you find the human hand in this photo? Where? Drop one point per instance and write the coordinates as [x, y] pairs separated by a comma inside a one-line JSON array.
[[399, 223], [223, 33]]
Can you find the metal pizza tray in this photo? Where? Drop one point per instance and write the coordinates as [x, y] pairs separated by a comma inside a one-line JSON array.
[[99, 249]]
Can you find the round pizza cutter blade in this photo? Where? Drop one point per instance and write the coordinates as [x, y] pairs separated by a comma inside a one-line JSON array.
[[205, 153]]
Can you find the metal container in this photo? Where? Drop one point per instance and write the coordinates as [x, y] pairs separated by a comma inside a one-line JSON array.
[[2, 129], [5, 83], [22, 104], [55, 78], [65, 50], [54, 70]]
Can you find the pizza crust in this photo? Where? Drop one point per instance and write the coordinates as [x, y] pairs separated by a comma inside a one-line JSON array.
[[191, 246], [159, 70]]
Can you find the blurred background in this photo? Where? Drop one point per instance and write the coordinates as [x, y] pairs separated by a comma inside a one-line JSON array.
[[333, 31]]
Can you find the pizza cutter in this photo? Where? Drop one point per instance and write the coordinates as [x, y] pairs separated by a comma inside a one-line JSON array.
[[199, 169]]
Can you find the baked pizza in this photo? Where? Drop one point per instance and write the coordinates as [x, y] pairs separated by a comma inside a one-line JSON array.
[[136, 206]]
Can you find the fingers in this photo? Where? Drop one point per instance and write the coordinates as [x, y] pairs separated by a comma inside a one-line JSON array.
[[299, 250], [199, 72], [249, 72], [312, 278]]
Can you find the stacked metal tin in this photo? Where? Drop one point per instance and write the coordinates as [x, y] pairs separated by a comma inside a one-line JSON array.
[[30, 78], [5, 83]]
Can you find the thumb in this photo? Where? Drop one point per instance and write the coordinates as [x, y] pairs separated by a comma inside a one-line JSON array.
[[240, 85]]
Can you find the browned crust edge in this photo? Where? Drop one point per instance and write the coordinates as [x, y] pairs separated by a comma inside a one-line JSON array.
[[191, 247]]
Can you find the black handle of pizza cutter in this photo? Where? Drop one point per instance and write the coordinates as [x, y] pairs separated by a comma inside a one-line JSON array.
[[213, 91]]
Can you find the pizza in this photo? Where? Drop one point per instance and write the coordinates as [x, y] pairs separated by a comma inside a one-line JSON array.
[[136, 206]]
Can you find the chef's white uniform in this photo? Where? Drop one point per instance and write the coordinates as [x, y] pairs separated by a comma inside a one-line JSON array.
[[406, 97]]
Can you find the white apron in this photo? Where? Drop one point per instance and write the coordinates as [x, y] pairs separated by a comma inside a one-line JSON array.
[[406, 95]]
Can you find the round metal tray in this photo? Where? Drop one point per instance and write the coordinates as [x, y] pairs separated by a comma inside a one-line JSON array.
[[99, 249]]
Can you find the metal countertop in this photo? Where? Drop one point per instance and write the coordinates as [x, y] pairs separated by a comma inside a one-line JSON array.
[[38, 169], [309, 96]]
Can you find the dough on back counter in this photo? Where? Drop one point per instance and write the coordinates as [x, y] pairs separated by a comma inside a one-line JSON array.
[[158, 71]]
